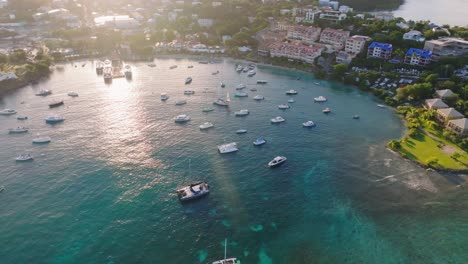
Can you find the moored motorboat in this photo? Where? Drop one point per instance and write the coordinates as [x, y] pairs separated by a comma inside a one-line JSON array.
[[228, 148], [180, 102], [241, 86], [54, 119], [291, 101], [206, 125], [152, 65], [182, 118], [215, 73], [239, 94], [283, 106], [18, 130], [128, 72], [189, 92], [277, 161], [41, 140], [308, 124], [241, 131], [222, 102], [188, 80], [24, 157], [262, 82], [173, 67], [193, 191], [259, 97], [190, 66], [56, 104], [7, 112], [239, 68], [242, 112], [381, 105], [21, 117], [259, 141], [164, 97], [277, 119], [207, 109], [43, 92], [223, 85], [326, 110], [356, 117], [253, 89], [320, 99], [251, 73], [73, 94], [291, 92]]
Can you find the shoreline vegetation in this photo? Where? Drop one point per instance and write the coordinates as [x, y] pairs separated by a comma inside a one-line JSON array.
[[427, 144], [27, 70]]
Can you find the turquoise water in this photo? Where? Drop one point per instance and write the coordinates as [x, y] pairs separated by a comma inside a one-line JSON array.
[[103, 190]]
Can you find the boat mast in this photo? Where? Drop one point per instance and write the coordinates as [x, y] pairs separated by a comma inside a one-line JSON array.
[[225, 248]]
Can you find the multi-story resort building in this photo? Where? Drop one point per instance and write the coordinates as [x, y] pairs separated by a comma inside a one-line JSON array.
[[296, 51], [446, 47], [379, 50], [418, 57], [355, 44], [308, 35], [336, 38]]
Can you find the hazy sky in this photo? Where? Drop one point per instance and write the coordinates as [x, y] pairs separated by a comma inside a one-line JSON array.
[[452, 12]]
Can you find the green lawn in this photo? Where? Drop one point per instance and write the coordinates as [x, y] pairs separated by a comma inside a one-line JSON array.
[[423, 148]]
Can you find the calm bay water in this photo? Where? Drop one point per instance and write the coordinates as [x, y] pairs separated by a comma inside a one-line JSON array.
[[102, 190], [452, 12]]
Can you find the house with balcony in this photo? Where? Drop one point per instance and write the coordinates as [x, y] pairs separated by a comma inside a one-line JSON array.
[[418, 57], [334, 37], [447, 47], [435, 104], [305, 34], [459, 126], [380, 50], [355, 44], [296, 51], [446, 114]]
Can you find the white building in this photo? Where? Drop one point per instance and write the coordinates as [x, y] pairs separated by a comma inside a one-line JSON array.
[[414, 35], [332, 15], [355, 44], [117, 22], [446, 47], [345, 9], [299, 52], [336, 38], [308, 35], [205, 22], [344, 57], [312, 15]]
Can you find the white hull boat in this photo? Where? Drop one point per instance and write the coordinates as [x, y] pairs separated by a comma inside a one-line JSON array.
[[326, 110], [241, 131], [283, 106], [41, 140], [277, 161], [181, 102], [18, 130], [241, 86], [24, 157], [228, 148], [308, 124], [73, 94], [291, 92], [54, 119], [277, 119], [320, 99], [242, 112], [7, 112], [193, 191], [182, 118], [189, 92], [206, 125], [21, 117], [259, 141], [259, 98], [164, 97]]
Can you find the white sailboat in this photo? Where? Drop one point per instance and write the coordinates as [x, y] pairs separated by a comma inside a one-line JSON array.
[[226, 260], [222, 102]]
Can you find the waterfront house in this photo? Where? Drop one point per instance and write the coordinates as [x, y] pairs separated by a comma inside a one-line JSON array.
[[296, 51], [435, 104], [379, 50], [447, 47], [446, 93], [459, 126], [336, 38], [355, 44], [418, 57], [414, 35], [446, 114]]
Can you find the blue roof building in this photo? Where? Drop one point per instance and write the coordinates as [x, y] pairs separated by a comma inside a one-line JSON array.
[[418, 57], [380, 50]]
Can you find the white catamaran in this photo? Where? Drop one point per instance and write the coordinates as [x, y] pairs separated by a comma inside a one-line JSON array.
[[226, 260]]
